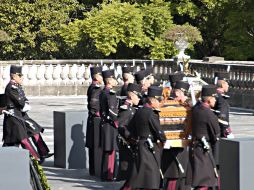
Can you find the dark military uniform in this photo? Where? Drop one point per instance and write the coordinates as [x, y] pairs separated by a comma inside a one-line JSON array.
[[204, 124], [139, 76], [125, 145], [93, 129], [124, 87], [15, 130], [222, 106], [124, 90], [146, 170], [146, 123], [109, 131], [175, 178], [126, 113], [109, 113]]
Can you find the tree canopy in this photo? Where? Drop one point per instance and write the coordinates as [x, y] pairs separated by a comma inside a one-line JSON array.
[[48, 29], [33, 27]]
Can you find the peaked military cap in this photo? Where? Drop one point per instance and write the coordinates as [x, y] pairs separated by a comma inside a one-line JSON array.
[[208, 90], [149, 71], [15, 69], [95, 70], [140, 75], [183, 86], [154, 91], [174, 77], [2, 100], [221, 75], [108, 74], [135, 88], [128, 69]]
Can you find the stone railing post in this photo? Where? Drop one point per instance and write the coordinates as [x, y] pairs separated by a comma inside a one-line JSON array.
[[55, 74]]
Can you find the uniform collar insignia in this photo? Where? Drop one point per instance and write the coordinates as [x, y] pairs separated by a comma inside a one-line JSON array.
[[112, 91], [225, 96], [215, 111], [14, 86], [124, 107]]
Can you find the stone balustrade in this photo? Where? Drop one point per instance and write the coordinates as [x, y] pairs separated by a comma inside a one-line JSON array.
[[71, 77]]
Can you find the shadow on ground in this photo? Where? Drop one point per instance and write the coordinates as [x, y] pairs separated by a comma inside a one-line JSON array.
[[79, 178]]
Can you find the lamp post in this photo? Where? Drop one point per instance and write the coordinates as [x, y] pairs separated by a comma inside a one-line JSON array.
[[182, 59]]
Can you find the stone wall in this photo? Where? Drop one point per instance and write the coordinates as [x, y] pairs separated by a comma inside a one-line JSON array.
[[71, 77]]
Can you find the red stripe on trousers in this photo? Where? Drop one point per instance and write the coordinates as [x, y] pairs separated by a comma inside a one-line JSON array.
[[111, 164], [40, 145], [29, 147], [127, 187], [171, 185], [203, 188], [218, 183]]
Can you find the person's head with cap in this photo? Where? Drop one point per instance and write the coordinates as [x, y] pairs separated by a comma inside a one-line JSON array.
[[174, 77], [180, 91], [133, 93], [221, 81], [154, 96], [150, 76], [16, 74], [141, 78], [208, 95], [128, 74], [96, 74], [109, 78]]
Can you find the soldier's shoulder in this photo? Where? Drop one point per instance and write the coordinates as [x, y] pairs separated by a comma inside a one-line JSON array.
[[145, 110]]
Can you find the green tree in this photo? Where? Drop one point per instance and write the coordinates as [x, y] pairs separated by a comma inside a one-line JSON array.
[[208, 16], [239, 34], [33, 27], [116, 26]]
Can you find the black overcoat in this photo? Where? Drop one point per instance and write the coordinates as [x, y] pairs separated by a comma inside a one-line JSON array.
[[126, 113], [204, 124], [109, 114], [169, 163], [145, 173], [124, 90], [222, 106], [15, 130], [93, 106]]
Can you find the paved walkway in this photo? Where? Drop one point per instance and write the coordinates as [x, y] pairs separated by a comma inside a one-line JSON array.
[[242, 122]]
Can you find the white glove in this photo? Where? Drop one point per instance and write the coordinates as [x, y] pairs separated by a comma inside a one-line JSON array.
[[26, 108], [167, 145], [230, 136]]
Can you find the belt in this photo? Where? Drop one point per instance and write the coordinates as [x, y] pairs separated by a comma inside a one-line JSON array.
[[198, 143]]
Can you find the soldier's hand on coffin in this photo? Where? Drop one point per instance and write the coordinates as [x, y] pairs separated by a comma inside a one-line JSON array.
[[230, 136], [167, 145], [228, 133], [161, 144]]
